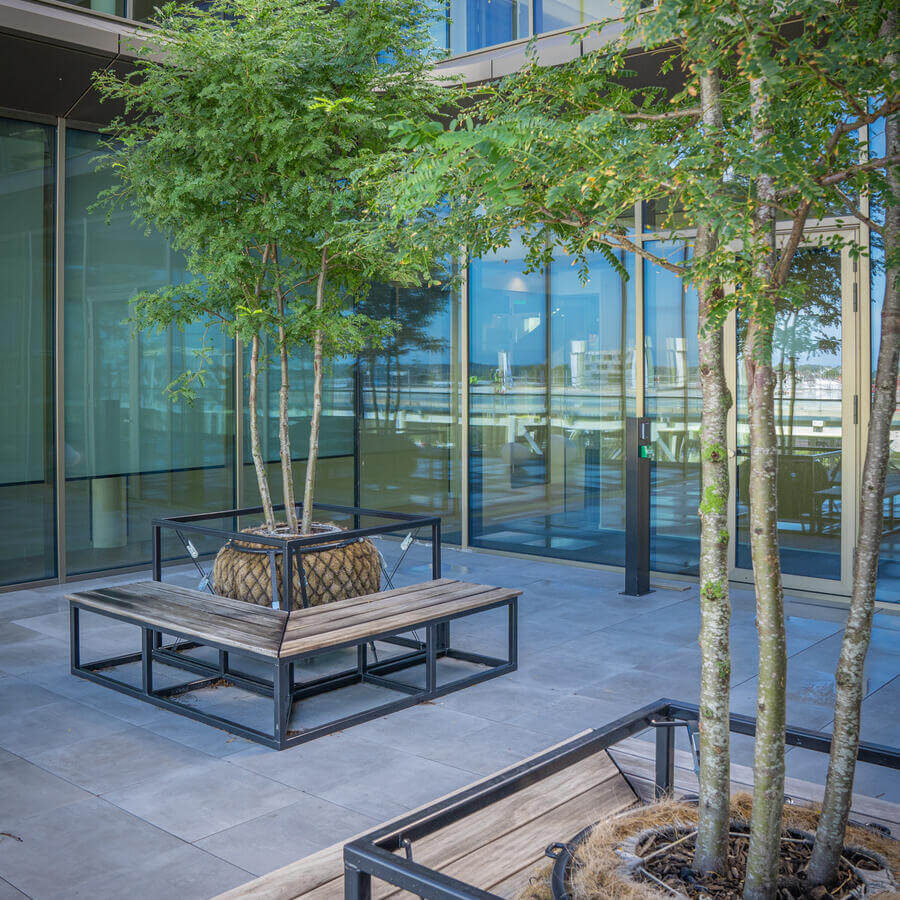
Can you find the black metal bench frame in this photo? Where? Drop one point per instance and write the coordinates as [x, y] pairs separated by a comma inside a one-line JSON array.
[[283, 687], [375, 856]]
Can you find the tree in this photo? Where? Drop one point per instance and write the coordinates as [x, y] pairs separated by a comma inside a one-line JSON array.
[[562, 154], [244, 123], [858, 631]]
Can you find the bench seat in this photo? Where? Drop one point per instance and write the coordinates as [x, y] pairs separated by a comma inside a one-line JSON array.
[[281, 641]]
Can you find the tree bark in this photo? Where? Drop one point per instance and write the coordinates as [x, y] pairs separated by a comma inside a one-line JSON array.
[[715, 767], [316, 419], [262, 477], [284, 425], [849, 676], [768, 761]]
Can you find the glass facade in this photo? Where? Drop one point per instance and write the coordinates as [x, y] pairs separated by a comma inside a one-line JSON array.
[[551, 378], [552, 14], [130, 452], [410, 415], [27, 494], [672, 400], [334, 473], [499, 407]]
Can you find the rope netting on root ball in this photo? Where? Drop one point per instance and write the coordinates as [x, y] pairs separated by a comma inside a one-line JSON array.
[[647, 854], [333, 571]]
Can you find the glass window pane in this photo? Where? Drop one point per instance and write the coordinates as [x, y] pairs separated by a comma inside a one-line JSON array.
[[410, 394], [592, 390], [673, 404], [483, 23], [131, 453], [27, 496], [552, 14], [111, 7], [334, 471], [807, 357], [508, 400]]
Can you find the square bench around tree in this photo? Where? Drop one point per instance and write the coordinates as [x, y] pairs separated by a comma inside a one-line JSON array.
[[280, 641]]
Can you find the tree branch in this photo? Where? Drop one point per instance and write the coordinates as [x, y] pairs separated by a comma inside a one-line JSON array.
[[858, 213]]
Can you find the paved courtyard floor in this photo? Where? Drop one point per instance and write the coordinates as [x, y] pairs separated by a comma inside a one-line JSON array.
[[104, 796]]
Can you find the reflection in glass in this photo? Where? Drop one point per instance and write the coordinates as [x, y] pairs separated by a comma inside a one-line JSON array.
[[110, 7], [131, 453], [27, 497], [410, 395], [889, 557], [547, 409], [483, 23], [334, 471], [673, 404], [552, 14], [808, 411]]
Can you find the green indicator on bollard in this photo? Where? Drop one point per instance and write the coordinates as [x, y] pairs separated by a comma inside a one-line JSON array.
[[644, 451]]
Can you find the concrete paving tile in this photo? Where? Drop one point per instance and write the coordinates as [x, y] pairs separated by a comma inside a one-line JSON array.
[[397, 782], [24, 656], [280, 837], [489, 749], [114, 761], [8, 892], [562, 715], [640, 687], [498, 700], [27, 789], [185, 873], [17, 695], [195, 801], [14, 633], [419, 726], [65, 847], [193, 734], [36, 730]]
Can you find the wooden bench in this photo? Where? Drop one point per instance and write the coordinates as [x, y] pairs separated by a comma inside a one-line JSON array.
[[496, 848], [280, 640]]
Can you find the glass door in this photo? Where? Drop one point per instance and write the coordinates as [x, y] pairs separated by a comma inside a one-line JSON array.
[[816, 413]]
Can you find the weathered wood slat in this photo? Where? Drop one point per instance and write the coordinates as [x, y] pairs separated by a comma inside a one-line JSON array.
[[383, 609], [324, 869], [381, 625], [314, 611], [206, 621]]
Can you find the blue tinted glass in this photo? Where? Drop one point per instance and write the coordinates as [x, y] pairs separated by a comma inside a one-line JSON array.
[[131, 453], [551, 380], [27, 497], [484, 23], [673, 404], [550, 15], [409, 407]]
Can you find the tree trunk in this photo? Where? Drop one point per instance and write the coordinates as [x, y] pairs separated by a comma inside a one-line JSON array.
[[849, 677], [715, 768], [262, 477], [768, 761], [284, 425], [316, 419]]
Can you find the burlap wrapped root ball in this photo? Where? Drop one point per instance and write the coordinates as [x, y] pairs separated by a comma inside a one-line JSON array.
[[331, 574]]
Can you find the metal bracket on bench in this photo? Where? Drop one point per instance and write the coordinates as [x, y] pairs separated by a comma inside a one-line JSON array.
[[693, 733]]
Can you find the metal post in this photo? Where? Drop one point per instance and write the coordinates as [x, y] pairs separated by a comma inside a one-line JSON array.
[[74, 638], [665, 760], [513, 632], [431, 641], [147, 660], [357, 885], [436, 549], [282, 701], [637, 506], [287, 581], [157, 553]]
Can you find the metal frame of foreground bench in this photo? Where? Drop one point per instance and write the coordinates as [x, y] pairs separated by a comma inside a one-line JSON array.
[[377, 854], [283, 688]]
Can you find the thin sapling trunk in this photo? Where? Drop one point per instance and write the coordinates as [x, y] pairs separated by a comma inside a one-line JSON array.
[[715, 768], [858, 632], [768, 760], [316, 419], [262, 477], [284, 425]]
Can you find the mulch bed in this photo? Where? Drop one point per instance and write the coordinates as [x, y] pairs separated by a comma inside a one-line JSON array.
[[668, 858]]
